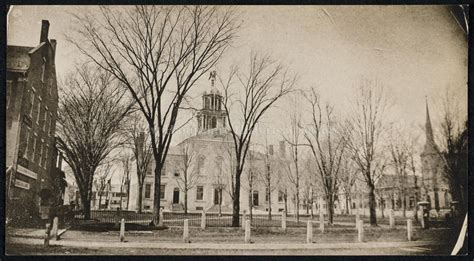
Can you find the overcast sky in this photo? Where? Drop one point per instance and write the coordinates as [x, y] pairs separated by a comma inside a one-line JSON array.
[[416, 51]]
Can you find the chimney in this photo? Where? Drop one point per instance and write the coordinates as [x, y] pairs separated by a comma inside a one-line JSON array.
[[53, 45], [44, 31], [282, 149]]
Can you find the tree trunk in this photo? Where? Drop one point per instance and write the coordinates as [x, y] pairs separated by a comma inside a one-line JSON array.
[[330, 208], [347, 205], [156, 196], [269, 205], [297, 204], [236, 201], [100, 200], [372, 205], [86, 205], [404, 203], [140, 197], [186, 201], [285, 198]]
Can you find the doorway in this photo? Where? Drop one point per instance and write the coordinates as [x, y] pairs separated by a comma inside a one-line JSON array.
[[255, 198], [176, 196]]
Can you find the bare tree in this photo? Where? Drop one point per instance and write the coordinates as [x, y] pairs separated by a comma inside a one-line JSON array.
[[89, 120], [158, 53], [347, 179], [140, 145], [264, 84], [364, 131], [327, 146], [292, 167], [102, 179], [125, 180], [188, 172], [270, 176], [454, 151], [399, 151]]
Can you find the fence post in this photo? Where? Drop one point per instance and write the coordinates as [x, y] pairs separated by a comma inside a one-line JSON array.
[[360, 229], [122, 230], [357, 218], [283, 220], [54, 230], [160, 221], [186, 231], [244, 218], [422, 217], [247, 231], [203, 220], [391, 219], [409, 229], [309, 232], [321, 222], [46, 236]]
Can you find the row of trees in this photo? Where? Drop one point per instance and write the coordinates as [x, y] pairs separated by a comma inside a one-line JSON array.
[[146, 59]]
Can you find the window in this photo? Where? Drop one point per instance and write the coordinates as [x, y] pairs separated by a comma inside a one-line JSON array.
[[199, 208], [147, 190], [146, 207], [45, 118], [46, 157], [51, 127], [176, 173], [39, 110], [40, 155], [199, 193], [43, 69], [255, 198], [201, 164], [280, 196], [31, 102], [162, 191], [24, 147], [33, 148]]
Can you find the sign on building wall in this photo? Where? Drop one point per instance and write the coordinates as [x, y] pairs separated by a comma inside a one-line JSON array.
[[22, 184], [27, 172]]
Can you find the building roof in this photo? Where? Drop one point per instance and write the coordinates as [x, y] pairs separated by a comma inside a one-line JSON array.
[[18, 58]]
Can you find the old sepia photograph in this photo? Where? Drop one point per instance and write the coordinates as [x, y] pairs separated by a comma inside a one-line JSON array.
[[236, 130]]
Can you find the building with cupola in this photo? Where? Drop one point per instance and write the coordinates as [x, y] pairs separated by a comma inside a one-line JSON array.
[[208, 160]]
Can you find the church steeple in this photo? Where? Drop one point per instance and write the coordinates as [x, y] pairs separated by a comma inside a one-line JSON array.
[[430, 145], [428, 128]]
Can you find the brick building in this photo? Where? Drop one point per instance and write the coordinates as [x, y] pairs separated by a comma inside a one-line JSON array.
[[31, 112]]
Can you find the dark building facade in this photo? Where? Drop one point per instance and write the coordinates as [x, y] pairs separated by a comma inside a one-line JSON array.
[[31, 113]]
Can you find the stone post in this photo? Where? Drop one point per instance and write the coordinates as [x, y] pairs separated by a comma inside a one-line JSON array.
[[321, 222], [54, 230], [422, 216], [160, 222], [309, 232], [203, 220], [46, 235], [409, 229], [186, 232], [122, 230], [391, 217], [357, 218], [360, 231], [247, 231], [283, 220]]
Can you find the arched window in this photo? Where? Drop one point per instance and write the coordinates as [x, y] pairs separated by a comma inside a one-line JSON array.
[[201, 163], [214, 123]]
